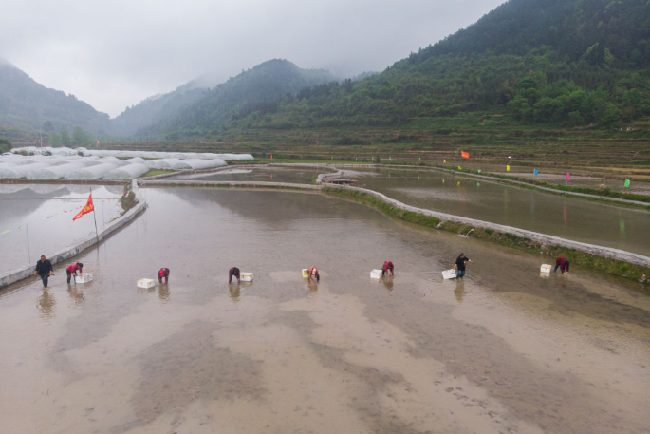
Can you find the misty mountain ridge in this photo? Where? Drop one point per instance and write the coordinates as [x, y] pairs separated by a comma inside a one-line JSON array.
[[27, 105], [154, 113], [566, 63], [156, 108], [251, 90]]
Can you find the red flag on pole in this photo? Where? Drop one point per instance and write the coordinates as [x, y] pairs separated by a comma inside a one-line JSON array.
[[464, 154], [89, 207]]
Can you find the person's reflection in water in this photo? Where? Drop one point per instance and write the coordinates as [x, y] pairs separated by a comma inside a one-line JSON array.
[[76, 295], [312, 286], [46, 304], [234, 293], [459, 292], [388, 283], [163, 293]]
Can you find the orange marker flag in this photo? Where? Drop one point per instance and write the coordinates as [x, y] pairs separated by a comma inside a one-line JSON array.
[[271, 156], [88, 208], [464, 154]]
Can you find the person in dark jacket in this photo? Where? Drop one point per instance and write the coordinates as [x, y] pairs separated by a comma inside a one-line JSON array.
[[234, 271], [388, 266], [459, 266], [163, 272], [44, 268], [72, 269], [563, 264]]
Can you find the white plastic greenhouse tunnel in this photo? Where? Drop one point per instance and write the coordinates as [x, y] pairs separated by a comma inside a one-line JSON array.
[[81, 163], [92, 172], [129, 171]]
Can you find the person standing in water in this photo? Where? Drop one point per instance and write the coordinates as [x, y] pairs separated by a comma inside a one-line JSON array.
[[388, 267], [234, 271], [459, 266], [44, 268], [563, 264], [163, 272], [313, 274], [72, 269]]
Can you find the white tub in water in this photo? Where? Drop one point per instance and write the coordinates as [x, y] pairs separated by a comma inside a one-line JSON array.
[[375, 274], [83, 278], [304, 272], [247, 277], [546, 269], [449, 274], [146, 283]]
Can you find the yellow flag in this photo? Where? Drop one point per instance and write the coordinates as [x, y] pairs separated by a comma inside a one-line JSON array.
[[508, 168]]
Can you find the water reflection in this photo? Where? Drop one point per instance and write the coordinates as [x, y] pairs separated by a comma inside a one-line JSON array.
[[46, 303], [349, 330], [591, 222], [388, 283], [312, 286], [275, 174], [459, 291], [234, 292], [163, 293], [76, 296]]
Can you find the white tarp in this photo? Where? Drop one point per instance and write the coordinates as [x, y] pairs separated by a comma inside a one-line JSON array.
[[92, 172], [97, 164], [129, 171], [54, 172], [205, 164]]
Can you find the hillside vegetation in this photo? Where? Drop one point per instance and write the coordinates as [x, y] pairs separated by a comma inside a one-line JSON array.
[[258, 87], [28, 108], [157, 108], [566, 63]]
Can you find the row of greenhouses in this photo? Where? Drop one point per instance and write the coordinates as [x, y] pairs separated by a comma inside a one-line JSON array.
[[75, 166], [149, 155]]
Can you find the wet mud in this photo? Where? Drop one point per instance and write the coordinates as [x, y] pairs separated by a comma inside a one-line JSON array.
[[502, 350]]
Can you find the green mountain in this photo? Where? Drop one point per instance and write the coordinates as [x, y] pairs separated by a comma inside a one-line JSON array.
[[158, 108], [563, 63], [27, 107], [250, 93]]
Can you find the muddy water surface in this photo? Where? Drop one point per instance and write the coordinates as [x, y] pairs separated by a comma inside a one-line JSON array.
[[567, 217], [271, 174], [503, 350], [36, 219]]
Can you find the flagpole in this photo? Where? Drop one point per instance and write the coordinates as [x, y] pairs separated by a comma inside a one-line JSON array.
[[29, 257], [95, 218]]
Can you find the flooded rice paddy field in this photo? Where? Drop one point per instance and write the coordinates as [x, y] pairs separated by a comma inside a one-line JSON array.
[[568, 217], [557, 175], [502, 350], [274, 174], [37, 218]]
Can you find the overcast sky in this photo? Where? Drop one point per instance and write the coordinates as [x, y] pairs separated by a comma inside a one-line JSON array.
[[115, 53]]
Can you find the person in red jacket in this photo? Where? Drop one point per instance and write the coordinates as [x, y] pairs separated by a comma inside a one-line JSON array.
[[563, 264], [73, 269], [313, 274], [388, 266], [163, 272]]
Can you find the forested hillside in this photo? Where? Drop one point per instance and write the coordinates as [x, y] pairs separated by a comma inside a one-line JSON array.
[[258, 88], [28, 107], [558, 62], [157, 108]]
